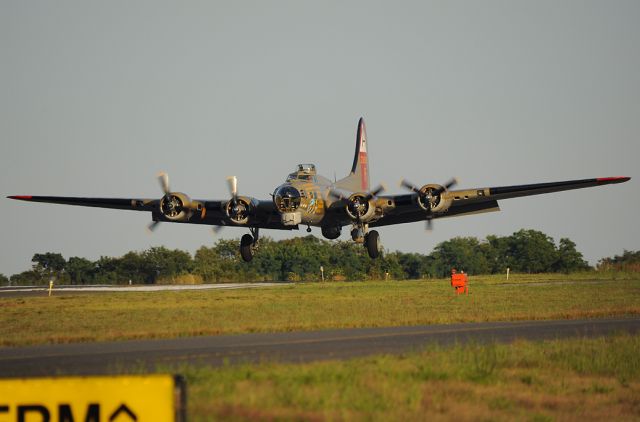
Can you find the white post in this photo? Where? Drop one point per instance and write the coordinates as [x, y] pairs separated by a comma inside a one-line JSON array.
[[507, 273], [50, 286], [322, 272]]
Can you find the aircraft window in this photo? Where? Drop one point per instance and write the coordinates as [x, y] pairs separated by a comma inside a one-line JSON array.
[[308, 168], [286, 198]]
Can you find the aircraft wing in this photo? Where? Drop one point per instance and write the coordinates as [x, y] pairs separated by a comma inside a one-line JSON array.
[[213, 213], [506, 192], [480, 200], [116, 203]]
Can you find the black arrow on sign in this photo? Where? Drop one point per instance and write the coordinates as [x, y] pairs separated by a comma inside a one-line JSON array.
[[123, 408]]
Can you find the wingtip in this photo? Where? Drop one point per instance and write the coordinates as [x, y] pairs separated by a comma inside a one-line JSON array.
[[20, 197], [615, 179]]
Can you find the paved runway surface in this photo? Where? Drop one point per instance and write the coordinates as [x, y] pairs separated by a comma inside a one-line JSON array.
[[122, 357], [25, 291]]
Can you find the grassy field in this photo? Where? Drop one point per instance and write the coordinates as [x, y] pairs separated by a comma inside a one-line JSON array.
[[579, 379], [575, 379], [310, 306]]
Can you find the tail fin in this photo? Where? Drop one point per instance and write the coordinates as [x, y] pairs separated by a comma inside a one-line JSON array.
[[358, 178]]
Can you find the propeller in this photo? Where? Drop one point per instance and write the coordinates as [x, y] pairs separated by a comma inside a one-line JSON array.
[[172, 205], [339, 196], [232, 182], [239, 209], [153, 226], [163, 178], [379, 189], [429, 194], [354, 204]]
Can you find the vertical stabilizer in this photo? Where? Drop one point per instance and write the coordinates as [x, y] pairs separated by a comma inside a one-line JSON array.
[[358, 178]]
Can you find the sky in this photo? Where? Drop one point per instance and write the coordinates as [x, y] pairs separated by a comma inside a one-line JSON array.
[[97, 97]]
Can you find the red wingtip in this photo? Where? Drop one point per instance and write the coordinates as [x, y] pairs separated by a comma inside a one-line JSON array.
[[23, 197], [617, 179]]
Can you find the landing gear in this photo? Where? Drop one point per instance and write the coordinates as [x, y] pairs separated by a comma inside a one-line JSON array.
[[248, 244], [358, 234], [372, 243], [369, 239]]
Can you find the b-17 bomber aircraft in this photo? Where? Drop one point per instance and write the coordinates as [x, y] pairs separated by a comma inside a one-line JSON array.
[[308, 199]]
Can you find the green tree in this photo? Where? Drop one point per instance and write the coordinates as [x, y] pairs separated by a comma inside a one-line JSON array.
[[80, 270], [27, 278], [132, 267], [413, 265], [207, 264], [49, 264], [569, 259], [106, 270], [160, 262], [497, 253], [461, 253], [532, 251], [3, 280], [628, 261]]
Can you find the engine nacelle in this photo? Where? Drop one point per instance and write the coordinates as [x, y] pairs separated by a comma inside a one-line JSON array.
[[359, 208], [177, 206], [240, 210], [430, 198]]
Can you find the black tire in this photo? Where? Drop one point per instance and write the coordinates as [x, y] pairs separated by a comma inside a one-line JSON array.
[[246, 251], [372, 243]]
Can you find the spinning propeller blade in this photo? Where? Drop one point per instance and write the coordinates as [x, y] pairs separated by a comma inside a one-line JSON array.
[[163, 178], [152, 226], [375, 192], [429, 213], [406, 184], [232, 183]]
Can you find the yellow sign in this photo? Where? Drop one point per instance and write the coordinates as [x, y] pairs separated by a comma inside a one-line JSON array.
[[154, 398]]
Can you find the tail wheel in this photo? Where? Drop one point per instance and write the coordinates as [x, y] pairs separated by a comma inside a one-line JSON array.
[[246, 247], [372, 243]]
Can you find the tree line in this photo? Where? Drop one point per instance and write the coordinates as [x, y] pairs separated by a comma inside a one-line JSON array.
[[302, 258], [628, 261]]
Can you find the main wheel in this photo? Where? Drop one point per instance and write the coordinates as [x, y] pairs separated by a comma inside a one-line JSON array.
[[372, 243], [246, 245]]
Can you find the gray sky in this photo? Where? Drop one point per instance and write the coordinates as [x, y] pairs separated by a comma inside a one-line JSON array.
[[97, 97]]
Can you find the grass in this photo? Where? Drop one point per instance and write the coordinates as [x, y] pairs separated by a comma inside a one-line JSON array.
[[576, 379], [579, 379], [310, 306]]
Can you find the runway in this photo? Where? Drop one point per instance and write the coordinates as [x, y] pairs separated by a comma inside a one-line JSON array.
[[142, 355], [24, 291]]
